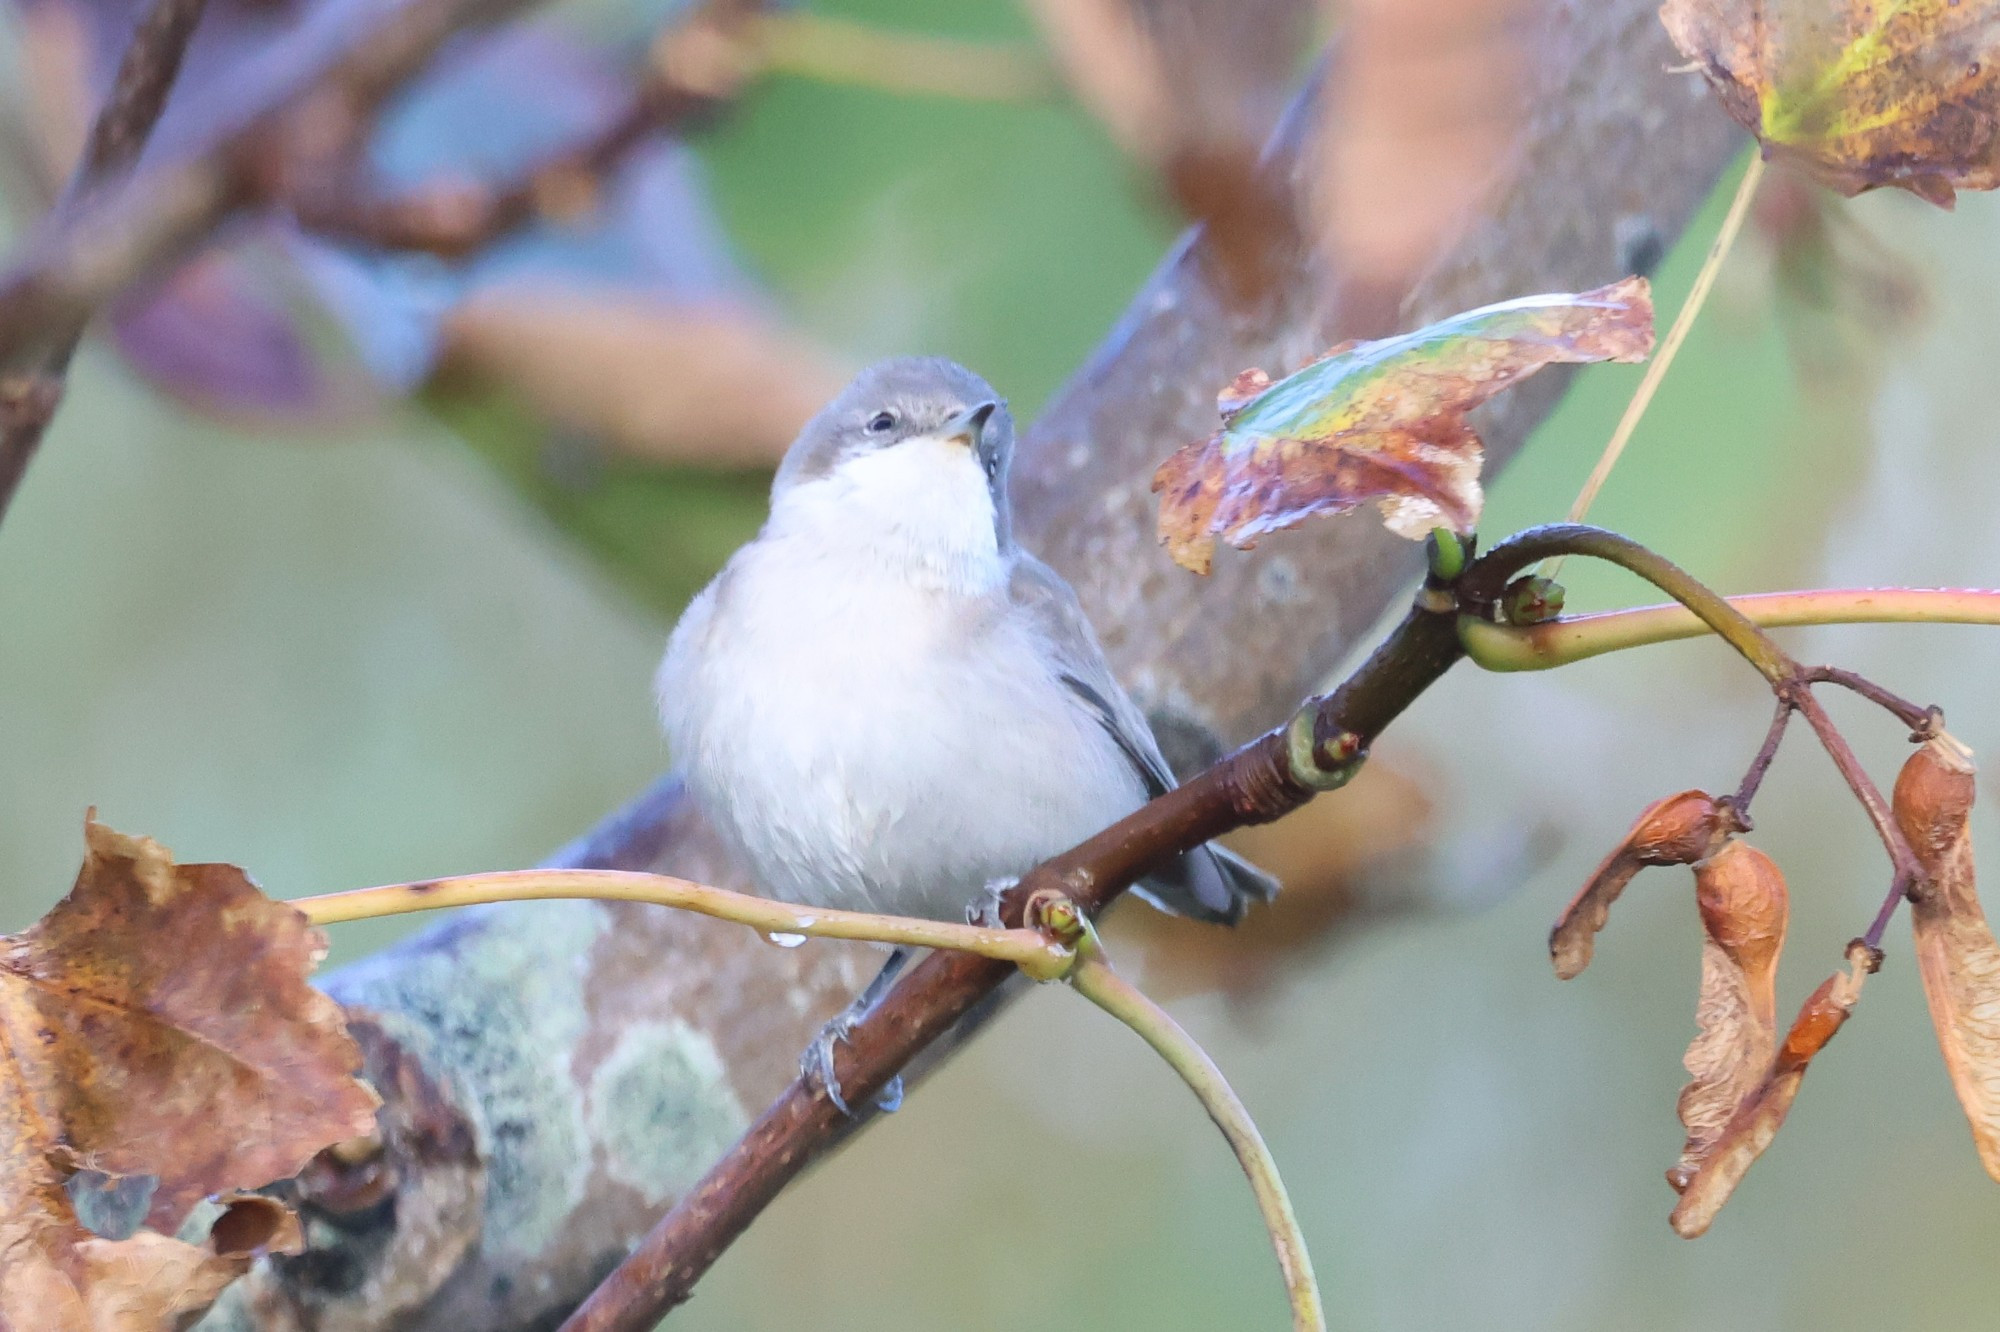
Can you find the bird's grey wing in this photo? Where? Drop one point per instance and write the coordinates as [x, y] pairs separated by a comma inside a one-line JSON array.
[[1210, 882]]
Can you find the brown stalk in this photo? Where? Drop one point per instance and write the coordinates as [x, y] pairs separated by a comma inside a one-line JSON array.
[[1790, 682], [1263, 780], [699, 67], [30, 394]]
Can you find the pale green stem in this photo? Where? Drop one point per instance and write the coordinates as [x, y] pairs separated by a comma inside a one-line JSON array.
[[1095, 979], [1499, 647], [1029, 950]]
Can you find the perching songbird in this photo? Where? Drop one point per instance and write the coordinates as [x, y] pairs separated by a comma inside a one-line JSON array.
[[883, 703]]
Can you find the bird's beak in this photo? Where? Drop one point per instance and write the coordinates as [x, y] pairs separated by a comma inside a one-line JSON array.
[[969, 426]]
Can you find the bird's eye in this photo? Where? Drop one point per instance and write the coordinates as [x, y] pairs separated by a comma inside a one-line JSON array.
[[882, 423]]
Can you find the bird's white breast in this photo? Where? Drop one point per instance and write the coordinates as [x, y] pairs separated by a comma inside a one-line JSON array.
[[861, 711]]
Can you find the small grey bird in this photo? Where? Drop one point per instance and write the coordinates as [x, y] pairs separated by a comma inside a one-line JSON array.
[[883, 703]]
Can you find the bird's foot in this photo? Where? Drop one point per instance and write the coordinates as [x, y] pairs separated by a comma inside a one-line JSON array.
[[816, 1064], [984, 909]]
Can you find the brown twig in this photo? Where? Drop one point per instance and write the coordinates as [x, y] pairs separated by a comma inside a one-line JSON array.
[[1265, 779], [122, 231], [1791, 682], [1921, 720], [697, 67], [455, 219], [30, 395], [1754, 778]]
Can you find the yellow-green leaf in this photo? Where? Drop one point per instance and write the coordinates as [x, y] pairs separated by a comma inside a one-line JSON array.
[[1860, 93]]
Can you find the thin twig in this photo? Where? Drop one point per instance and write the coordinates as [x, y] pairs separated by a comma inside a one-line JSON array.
[[1499, 647], [1760, 765], [30, 395], [1642, 397], [455, 219], [1265, 779], [1908, 871], [1095, 980], [1920, 719], [1027, 949]]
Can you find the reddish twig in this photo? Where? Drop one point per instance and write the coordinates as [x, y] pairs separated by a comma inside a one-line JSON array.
[[1754, 778], [118, 233], [30, 395], [698, 66], [1264, 780], [1791, 682], [455, 219]]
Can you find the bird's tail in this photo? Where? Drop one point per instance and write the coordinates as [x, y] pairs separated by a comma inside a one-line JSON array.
[[1209, 883]]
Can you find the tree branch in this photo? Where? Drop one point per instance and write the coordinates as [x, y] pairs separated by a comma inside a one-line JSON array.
[[1267, 778], [30, 396]]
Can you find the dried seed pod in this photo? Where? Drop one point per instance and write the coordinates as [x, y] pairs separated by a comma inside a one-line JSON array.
[[1678, 830], [1760, 1116], [1956, 952], [1744, 907]]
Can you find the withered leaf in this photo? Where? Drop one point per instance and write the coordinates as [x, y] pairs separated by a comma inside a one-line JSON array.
[[158, 1022], [1677, 830], [1857, 92], [1956, 952], [1757, 1121], [1381, 421], [1744, 907], [56, 1277]]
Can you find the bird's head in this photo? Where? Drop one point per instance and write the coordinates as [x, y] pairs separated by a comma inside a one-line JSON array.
[[913, 457]]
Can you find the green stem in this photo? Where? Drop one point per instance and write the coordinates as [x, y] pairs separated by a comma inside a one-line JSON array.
[[1489, 576], [1029, 950], [1499, 647], [1095, 979]]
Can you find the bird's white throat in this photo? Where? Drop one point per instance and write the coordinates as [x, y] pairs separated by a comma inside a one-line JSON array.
[[921, 508]]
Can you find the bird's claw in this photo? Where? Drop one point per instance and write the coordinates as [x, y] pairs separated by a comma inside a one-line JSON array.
[[816, 1064], [984, 910]]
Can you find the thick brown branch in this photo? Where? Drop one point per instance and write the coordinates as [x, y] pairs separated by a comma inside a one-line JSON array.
[[1256, 784], [29, 396]]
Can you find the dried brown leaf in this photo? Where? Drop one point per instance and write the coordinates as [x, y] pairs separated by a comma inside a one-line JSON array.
[[1757, 1121], [1859, 92], [1956, 952], [57, 1277], [1744, 906], [1381, 422], [157, 1023], [1677, 830]]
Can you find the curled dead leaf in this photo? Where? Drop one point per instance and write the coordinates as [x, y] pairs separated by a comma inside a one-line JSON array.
[[1956, 952], [1760, 1116], [67, 1280], [1677, 830], [158, 1023], [1744, 907], [1860, 94], [1381, 422]]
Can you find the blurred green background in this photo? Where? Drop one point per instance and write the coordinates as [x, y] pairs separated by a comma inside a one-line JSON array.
[[366, 655]]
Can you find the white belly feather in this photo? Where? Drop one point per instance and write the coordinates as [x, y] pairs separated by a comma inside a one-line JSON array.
[[869, 740]]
